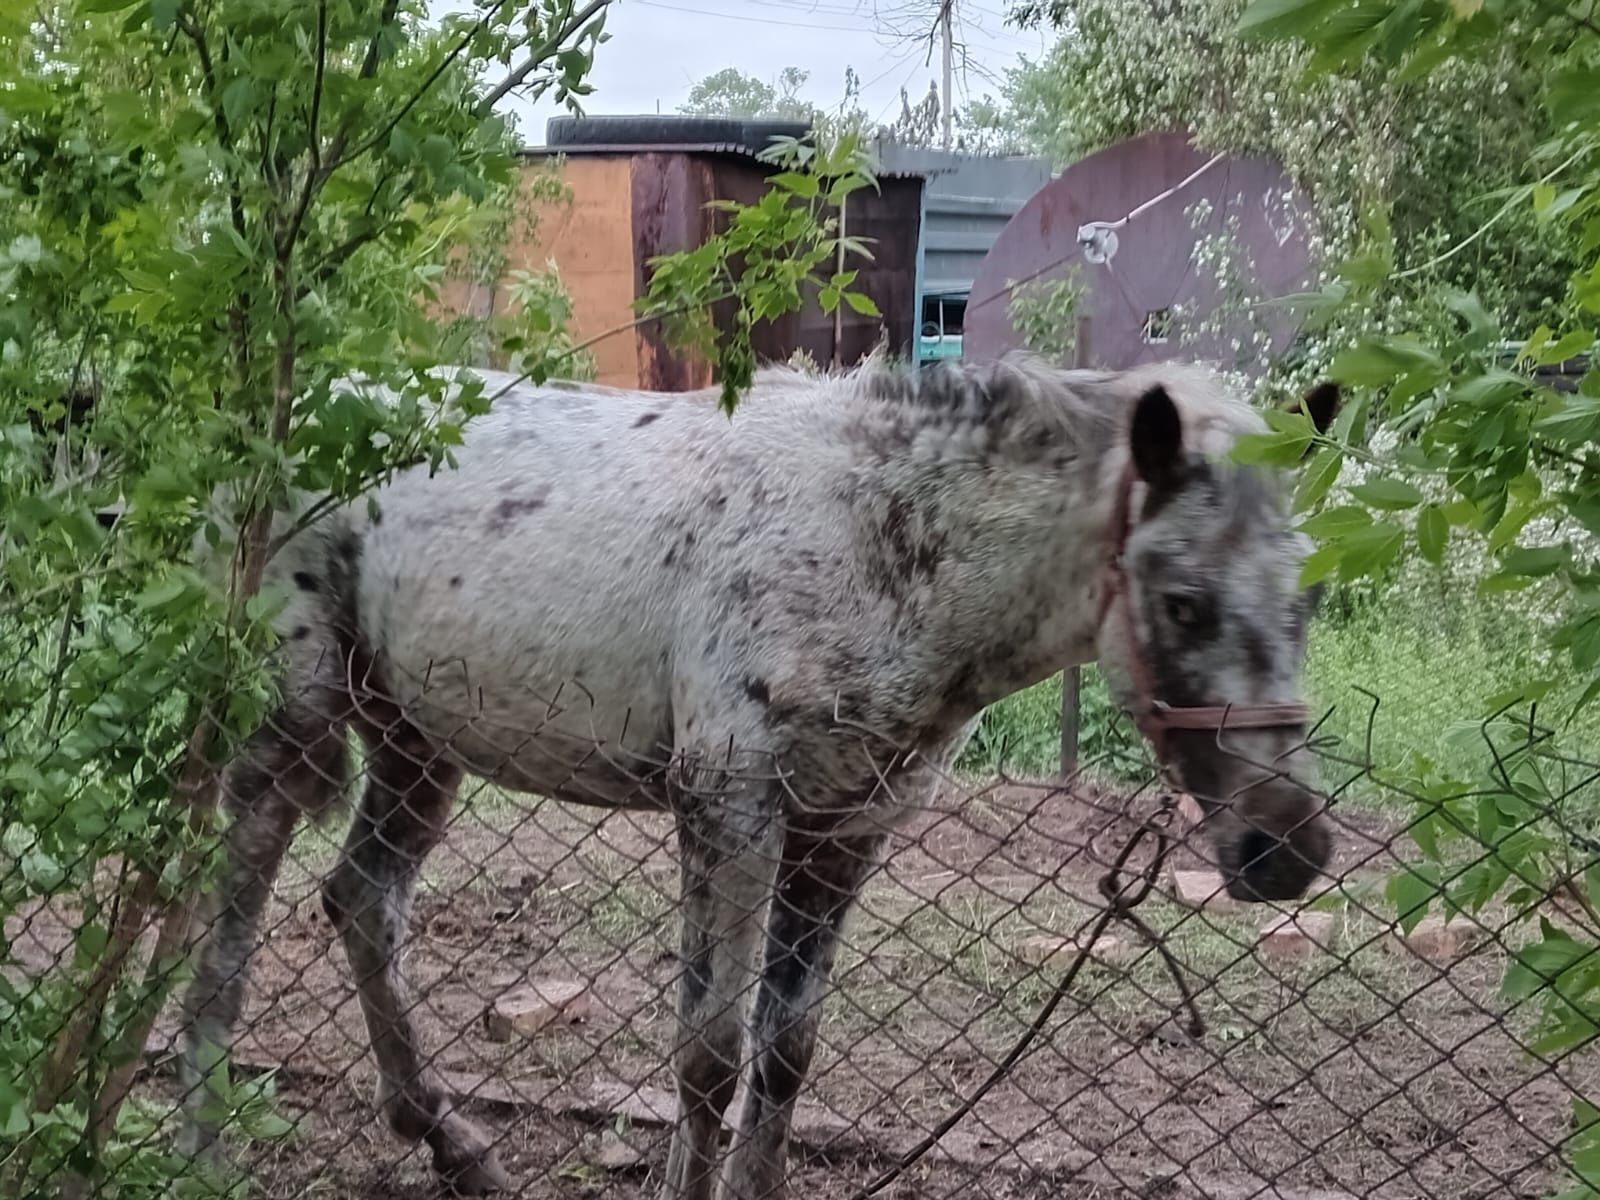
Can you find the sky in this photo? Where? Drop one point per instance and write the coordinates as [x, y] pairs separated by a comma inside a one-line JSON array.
[[660, 48]]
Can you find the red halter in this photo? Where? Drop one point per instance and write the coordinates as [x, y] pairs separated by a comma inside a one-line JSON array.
[[1152, 716]]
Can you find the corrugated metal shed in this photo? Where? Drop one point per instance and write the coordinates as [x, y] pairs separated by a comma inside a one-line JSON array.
[[967, 200]]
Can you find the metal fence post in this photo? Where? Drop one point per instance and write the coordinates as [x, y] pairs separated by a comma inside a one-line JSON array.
[[1071, 677]]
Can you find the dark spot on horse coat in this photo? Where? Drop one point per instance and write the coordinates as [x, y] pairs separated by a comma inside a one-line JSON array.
[[905, 554], [455, 581], [1258, 654], [305, 581], [512, 507], [757, 689], [377, 515], [301, 632], [645, 419]]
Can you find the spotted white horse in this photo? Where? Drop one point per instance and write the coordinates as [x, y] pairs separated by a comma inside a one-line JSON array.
[[776, 628]]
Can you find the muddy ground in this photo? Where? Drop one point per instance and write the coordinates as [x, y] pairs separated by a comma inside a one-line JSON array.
[[1359, 1070]]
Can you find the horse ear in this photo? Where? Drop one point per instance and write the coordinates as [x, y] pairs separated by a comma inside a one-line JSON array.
[[1156, 440], [1321, 404]]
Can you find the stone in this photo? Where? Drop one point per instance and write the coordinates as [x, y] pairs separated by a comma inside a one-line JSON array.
[[529, 1010], [1051, 950], [1202, 890], [616, 1153], [1435, 940], [1189, 809], [1296, 935]]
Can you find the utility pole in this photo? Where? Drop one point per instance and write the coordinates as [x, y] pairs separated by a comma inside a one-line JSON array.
[[946, 20]]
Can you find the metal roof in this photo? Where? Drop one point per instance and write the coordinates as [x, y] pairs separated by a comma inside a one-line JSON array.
[[968, 200], [682, 134]]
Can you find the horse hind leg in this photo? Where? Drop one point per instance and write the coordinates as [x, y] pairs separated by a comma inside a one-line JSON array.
[[295, 765], [368, 897]]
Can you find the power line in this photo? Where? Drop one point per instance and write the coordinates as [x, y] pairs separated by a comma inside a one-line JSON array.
[[732, 16]]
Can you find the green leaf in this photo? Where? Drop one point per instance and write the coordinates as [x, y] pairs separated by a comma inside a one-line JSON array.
[[435, 152], [238, 98], [1387, 494], [1470, 309], [1500, 583], [1539, 965], [1270, 449], [1368, 551], [1320, 563], [1280, 18], [1319, 477], [1411, 891], [1433, 533], [1491, 388], [1374, 363], [862, 303], [104, 6], [1536, 560], [164, 592], [801, 184], [1336, 522], [1579, 341]]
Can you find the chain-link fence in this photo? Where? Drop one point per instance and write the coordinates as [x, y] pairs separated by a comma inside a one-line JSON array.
[[526, 1002]]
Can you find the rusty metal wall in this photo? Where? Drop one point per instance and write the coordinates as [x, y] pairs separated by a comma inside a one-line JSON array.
[[660, 206], [889, 219], [1153, 269], [669, 214]]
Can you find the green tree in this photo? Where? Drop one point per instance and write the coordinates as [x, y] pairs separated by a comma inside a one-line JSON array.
[[1458, 443], [1351, 139], [732, 93], [213, 217]]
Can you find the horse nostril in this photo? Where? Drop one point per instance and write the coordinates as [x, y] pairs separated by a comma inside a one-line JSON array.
[[1256, 849], [1271, 866]]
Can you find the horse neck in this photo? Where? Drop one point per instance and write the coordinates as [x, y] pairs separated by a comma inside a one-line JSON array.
[[1020, 548]]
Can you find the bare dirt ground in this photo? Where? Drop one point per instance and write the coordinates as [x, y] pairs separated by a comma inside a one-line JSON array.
[[1357, 1071]]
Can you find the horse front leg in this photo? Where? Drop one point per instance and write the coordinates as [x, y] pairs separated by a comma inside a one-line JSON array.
[[818, 881], [729, 849]]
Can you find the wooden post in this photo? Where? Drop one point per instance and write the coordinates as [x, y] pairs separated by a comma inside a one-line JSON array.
[[1071, 678]]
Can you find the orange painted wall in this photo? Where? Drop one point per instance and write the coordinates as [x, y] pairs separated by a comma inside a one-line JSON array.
[[590, 237]]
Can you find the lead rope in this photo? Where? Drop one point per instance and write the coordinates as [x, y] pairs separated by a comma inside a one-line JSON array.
[[1121, 894]]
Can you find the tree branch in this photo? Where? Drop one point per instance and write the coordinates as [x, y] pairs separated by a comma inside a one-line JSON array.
[[369, 68], [314, 175], [192, 30], [520, 73]]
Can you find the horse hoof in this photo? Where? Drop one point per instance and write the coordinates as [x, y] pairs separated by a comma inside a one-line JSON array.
[[479, 1176]]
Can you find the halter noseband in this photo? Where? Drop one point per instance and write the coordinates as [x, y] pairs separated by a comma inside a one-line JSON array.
[[1152, 716]]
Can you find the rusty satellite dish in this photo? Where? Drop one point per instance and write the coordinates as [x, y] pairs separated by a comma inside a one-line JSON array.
[[1162, 276]]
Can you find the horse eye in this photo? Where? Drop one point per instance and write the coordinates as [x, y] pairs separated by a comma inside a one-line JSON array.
[[1182, 611]]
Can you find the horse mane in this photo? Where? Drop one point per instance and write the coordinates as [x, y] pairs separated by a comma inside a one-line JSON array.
[[1023, 399]]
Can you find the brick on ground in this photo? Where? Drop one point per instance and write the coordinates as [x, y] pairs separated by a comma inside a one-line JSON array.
[[1296, 935], [1202, 890], [1189, 809], [1435, 940], [1051, 950], [526, 1011]]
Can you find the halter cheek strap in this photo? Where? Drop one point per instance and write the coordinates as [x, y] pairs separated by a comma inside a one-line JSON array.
[[1153, 717]]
